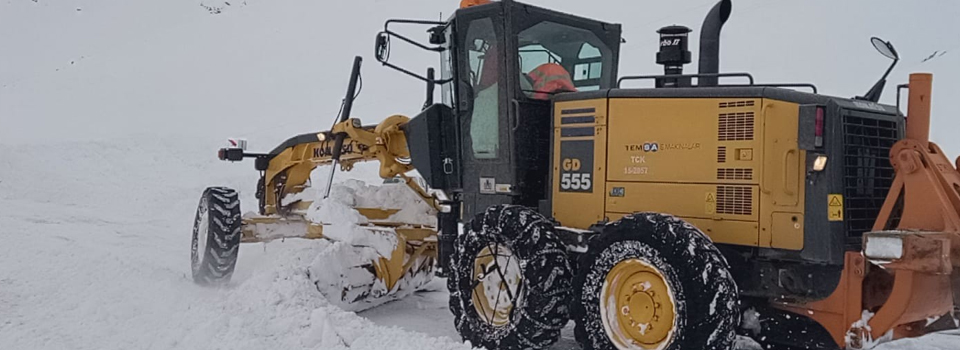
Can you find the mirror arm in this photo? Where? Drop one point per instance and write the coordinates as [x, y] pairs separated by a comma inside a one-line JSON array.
[[890, 69], [415, 75], [386, 25], [390, 33], [874, 94]]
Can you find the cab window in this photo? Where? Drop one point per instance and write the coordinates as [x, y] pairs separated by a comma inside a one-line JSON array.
[[558, 58], [446, 69], [482, 73]]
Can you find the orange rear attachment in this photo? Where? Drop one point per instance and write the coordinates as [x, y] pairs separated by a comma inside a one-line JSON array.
[[901, 281]]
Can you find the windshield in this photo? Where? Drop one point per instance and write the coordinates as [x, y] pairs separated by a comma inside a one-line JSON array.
[[557, 58]]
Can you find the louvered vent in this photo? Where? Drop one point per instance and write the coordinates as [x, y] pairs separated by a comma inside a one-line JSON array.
[[732, 104], [735, 200], [734, 174], [736, 126], [722, 154]]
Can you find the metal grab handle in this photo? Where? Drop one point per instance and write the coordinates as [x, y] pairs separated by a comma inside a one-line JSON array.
[[516, 113], [786, 171]]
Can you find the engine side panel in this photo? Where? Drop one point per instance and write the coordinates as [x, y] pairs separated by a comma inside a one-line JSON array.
[[732, 165], [579, 161], [720, 163]]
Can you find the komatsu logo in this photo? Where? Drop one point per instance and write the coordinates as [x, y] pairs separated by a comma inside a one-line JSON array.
[[348, 148], [868, 105]]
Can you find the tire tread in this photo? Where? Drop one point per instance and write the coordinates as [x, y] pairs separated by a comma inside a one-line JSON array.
[[216, 264]]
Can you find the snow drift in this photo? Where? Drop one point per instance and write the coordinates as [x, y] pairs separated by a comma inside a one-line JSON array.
[[95, 255]]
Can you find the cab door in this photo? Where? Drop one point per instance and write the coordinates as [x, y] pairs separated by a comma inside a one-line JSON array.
[[488, 175], [553, 53]]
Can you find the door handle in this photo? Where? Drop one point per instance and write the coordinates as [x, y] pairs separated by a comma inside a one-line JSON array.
[[786, 172], [516, 113]]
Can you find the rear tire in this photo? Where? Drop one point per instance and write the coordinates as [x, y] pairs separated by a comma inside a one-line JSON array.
[[216, 236], [660, 249], [518, 248]]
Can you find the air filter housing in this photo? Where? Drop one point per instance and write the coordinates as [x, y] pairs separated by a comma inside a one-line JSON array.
[[673, 54]]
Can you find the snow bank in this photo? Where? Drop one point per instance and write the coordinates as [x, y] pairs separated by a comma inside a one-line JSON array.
[[283, 292], [96, 255]]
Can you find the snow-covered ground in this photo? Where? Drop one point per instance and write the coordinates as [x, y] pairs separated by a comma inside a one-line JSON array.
[[111, 112], [95, 255]]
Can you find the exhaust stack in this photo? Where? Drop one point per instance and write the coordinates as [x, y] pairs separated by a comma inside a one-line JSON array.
[[710, 41]]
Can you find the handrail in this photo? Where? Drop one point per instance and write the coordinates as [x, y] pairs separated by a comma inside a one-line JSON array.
[[705, 75], [716, 75], [806, 85]]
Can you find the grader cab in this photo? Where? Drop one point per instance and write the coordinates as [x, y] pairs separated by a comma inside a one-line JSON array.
[[671, 217]]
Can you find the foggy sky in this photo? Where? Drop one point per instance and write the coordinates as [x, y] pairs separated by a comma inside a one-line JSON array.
[[266, 70]]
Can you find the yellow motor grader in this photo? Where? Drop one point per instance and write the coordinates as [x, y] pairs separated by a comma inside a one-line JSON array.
[[671, 217]]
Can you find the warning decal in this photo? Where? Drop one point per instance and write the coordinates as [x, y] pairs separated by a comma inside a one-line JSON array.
[[711, 203], [835, 207]]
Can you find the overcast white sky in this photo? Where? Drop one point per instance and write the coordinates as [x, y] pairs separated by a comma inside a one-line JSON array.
[[265, 70]]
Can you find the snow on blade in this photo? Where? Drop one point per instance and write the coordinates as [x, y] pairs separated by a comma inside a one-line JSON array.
[[342, 221], [339, 207]]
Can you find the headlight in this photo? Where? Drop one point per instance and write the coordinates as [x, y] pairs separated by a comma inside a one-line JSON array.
[[883, 247], [820, 163]]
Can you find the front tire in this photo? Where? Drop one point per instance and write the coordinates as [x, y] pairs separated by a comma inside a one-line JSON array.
[[509, 280], [653, 281], [216, 236]]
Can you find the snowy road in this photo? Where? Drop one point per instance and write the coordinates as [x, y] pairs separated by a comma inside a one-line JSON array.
[[426, 312], [95, 255]]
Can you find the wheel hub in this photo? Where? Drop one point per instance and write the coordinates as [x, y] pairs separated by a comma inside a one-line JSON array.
[[498, 278], [639, 308]]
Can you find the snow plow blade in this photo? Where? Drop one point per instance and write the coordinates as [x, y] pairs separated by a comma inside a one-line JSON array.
[[382, 240], [269, 228], [375, 260]]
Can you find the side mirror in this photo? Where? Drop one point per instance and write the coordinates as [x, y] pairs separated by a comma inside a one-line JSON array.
[[382, 50], [886, 49]]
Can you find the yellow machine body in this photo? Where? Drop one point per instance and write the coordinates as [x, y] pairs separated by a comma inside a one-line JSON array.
[[730, 166]]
